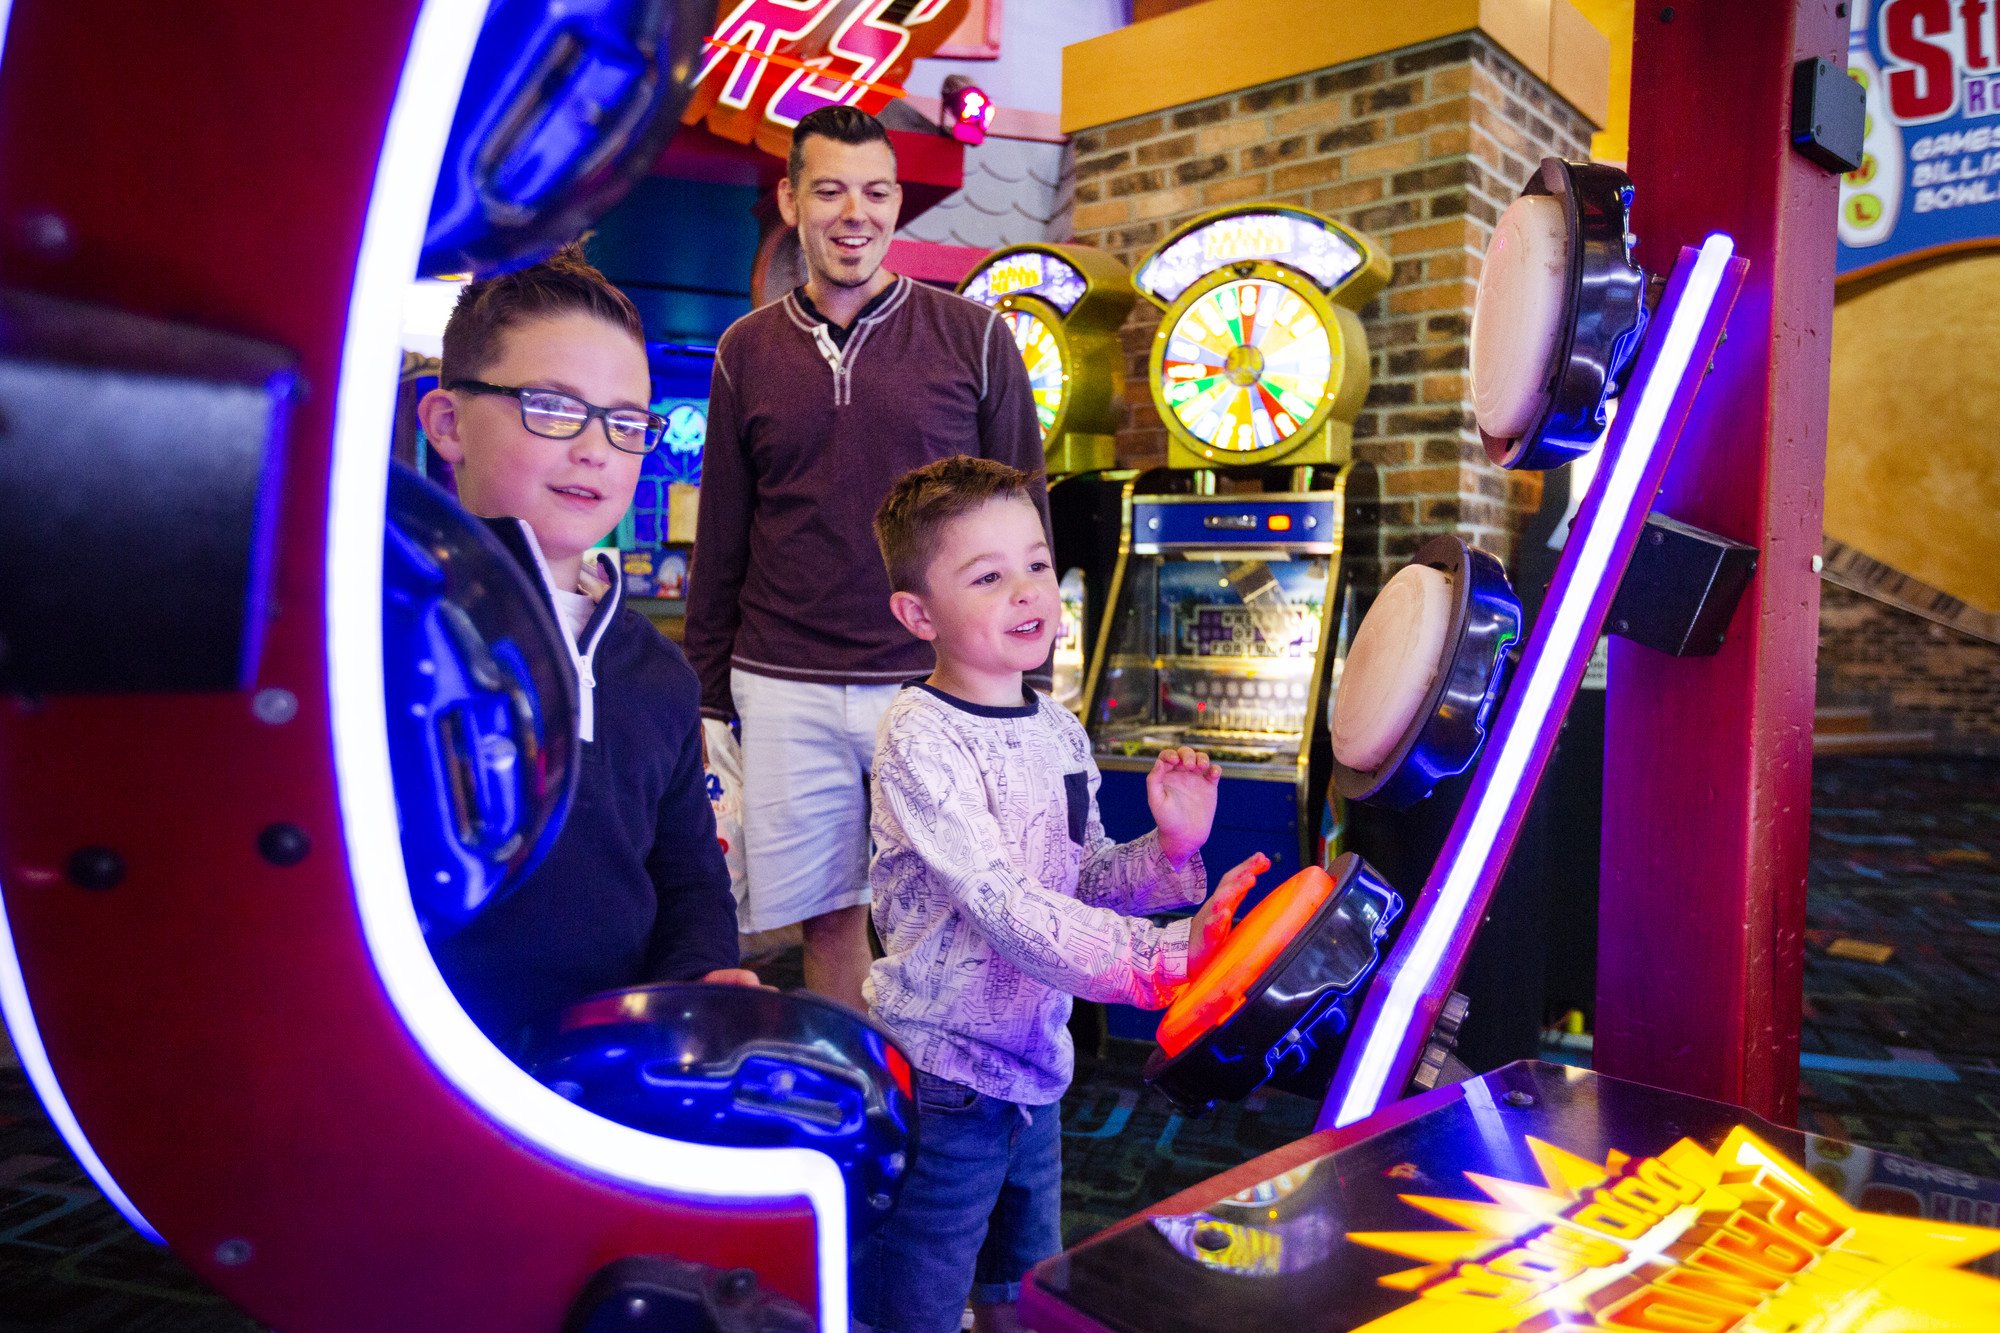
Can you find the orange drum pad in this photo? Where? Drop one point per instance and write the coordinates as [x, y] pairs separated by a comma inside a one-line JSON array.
[[1273, 1003], [1213, 997]]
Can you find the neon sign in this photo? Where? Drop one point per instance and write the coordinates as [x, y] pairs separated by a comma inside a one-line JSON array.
[[771, 62], [1689, 1240]]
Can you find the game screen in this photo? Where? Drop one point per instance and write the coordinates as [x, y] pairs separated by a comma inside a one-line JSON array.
[[653, 542], [1213, 652]]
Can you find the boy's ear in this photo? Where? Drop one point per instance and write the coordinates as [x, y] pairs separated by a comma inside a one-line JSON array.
[[788, 203], [438, 412], [908, 608]]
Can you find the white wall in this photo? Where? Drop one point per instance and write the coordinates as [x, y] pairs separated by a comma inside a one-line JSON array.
[[1028, 74]]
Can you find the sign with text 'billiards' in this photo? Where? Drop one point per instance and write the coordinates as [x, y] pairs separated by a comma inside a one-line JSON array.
[[769, 63], [1929, 180]]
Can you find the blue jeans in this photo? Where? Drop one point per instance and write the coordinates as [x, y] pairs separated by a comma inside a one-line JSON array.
[[982, 1204]]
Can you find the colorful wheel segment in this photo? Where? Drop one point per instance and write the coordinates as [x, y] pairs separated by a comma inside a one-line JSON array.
[[1246, 365], [1039, 348]]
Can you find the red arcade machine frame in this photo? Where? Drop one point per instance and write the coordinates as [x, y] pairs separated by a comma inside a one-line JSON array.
[[1708, 760], [225, 1000]]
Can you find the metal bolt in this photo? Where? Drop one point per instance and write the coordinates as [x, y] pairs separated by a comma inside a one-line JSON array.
[[46, 234], [233, 1253], [738, 1284], [1818, 563], [275, 706], [1620, 626], [635, 1309], [1667, 14], [283, 844], [1519, 1099], [879, 1201], [96, 868], [1659, 538]]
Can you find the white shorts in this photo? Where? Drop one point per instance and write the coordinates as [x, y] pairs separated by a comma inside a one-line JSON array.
[[807, 752]]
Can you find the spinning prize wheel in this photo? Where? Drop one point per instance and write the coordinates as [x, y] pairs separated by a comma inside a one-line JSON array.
[[1260, 357], [1063, 304]]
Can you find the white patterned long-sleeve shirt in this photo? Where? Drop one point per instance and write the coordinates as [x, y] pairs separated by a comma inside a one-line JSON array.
[[998, 896]]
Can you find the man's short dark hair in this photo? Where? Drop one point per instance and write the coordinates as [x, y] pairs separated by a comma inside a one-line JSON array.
[[560, 284], [914, 513], [843, 124]]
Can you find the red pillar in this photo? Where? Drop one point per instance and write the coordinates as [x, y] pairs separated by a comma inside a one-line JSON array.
[[1708, 760]]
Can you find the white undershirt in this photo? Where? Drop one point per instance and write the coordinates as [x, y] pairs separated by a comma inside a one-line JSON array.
[[573, 610]]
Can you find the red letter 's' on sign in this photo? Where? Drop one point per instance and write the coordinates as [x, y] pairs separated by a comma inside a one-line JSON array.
[[1923, 77]]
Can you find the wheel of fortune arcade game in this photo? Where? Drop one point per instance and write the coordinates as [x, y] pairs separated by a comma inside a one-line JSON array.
[[1064, 305], [1217, 633], [1260, 356], [212, 962]]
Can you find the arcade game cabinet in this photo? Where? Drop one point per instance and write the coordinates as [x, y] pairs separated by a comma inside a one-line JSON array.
[[1223, 606], [1064, 305], [1570, 1200], [241, 795]]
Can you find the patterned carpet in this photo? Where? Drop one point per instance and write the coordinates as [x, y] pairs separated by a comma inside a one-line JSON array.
[[1903, 1054]]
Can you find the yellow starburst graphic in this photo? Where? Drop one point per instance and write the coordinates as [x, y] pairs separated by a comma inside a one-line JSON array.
[[1740, 1240]]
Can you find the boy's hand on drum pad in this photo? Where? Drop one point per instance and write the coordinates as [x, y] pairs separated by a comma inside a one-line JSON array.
[[731, 976], [1218, 914], [1180, 789]]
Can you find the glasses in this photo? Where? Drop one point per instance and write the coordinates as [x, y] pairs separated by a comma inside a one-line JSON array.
[[560, 416]]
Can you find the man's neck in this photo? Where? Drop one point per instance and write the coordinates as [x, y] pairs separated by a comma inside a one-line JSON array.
[[842, 304], [1002, 690]]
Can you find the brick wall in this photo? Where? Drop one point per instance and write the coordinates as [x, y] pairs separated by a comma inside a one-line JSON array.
[[1421, 149], [1911, 673]]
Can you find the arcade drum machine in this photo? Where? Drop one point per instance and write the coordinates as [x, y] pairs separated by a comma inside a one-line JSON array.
[[1533, 1197], [1064, 305], [242, 796], [1223, 606]]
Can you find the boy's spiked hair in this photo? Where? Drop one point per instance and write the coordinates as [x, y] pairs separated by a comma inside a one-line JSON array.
[[558, 285], [919, 505]]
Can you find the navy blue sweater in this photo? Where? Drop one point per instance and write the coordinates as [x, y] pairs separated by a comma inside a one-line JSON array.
[[635, 888]]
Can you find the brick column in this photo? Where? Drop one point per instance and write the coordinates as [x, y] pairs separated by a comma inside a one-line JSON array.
[[1421, 148]]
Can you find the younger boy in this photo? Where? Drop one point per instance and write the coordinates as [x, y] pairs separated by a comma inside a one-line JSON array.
[[998, 897], [542, 415]]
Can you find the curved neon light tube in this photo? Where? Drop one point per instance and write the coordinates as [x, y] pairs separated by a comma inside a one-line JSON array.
[[412, 153], [1499, 795], [27, 1039]]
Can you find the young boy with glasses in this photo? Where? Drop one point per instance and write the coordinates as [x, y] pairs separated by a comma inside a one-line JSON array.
[[542, 415]]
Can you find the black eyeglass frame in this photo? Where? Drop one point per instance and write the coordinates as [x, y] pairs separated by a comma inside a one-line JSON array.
[[656, 425]]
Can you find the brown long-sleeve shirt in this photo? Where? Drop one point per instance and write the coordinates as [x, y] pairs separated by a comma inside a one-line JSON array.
[[805, 437]]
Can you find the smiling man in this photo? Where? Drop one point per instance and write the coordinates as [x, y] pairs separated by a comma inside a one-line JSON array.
[[819, 402]]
